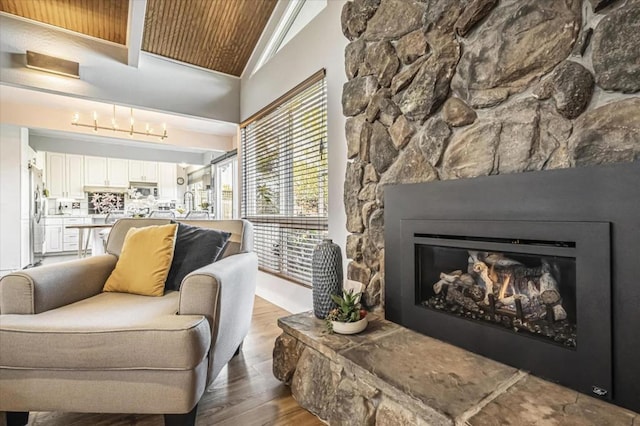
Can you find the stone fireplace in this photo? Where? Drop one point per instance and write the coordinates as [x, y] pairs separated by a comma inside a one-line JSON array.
[[463, 90]]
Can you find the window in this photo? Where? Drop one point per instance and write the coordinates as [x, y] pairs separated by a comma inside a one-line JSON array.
[[297, 15], [199, 184], [284, 165], [226, 193]]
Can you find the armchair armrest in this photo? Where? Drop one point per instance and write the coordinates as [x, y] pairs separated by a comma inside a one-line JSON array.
[[36, 290], [223, 292]]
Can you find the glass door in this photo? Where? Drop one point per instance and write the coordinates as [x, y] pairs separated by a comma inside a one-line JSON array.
[[226, 189]]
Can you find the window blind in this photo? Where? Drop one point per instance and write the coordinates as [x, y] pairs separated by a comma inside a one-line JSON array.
[[285, 179]]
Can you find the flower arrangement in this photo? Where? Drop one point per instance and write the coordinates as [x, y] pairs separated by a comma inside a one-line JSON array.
[[349, 310], [140, 206]]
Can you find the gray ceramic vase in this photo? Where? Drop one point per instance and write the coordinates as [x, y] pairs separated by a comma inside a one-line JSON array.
[[327, 276]]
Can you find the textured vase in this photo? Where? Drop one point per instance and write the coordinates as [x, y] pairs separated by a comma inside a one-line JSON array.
[[327, 276]]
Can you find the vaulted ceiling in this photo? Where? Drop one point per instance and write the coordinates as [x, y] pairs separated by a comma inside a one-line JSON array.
[[219, 35], [105, 19]]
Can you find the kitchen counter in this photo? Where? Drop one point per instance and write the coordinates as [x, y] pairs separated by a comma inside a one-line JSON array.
[[67, 215]]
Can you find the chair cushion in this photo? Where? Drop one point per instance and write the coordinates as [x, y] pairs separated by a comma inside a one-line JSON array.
[[106, 331], [195, 247], [145, 260]]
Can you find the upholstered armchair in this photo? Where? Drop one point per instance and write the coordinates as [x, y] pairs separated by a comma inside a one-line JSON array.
[[65, 345]]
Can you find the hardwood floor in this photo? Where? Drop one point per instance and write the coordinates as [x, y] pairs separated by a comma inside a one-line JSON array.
[[245, 393]]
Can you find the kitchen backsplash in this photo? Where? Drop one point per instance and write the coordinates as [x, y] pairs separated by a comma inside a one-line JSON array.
[[78, 207]]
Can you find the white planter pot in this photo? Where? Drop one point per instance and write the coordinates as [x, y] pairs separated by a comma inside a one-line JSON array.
[[349, 327]]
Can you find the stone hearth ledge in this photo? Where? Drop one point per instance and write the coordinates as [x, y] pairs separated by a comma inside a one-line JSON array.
[[389, 375]]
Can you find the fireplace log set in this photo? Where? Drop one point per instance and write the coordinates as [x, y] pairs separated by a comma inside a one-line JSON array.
[[502, 290]]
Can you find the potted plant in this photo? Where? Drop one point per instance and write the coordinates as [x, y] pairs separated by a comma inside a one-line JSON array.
[[348, 317]]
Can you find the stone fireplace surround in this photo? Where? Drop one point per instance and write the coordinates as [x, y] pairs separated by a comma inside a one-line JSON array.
[[439, 90], [443, 90]]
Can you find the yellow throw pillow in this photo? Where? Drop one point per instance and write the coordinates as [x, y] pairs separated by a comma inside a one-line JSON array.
[[144, 262]]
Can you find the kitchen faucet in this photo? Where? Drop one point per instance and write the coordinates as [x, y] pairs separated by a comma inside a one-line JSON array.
[[191, 205]]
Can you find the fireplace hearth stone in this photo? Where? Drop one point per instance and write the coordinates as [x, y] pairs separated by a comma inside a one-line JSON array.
[[389, 375]]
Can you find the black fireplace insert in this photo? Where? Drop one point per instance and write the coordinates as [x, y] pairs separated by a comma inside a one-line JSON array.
[[544, 280], [528, 293]]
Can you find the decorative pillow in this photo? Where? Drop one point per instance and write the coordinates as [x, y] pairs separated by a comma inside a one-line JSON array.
[[195, 247], [144, 262]]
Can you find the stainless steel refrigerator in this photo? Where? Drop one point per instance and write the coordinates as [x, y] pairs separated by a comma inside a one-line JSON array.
[[36, 213]]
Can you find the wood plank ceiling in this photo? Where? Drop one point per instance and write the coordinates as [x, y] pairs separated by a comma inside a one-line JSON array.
[[216, 34], [105, 19]]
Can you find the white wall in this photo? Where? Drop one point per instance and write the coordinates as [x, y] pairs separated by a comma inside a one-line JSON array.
[[10, 198], [157, 84], [319, 45]]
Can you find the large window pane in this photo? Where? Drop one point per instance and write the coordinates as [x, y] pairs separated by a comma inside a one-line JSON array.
[[285, 195]]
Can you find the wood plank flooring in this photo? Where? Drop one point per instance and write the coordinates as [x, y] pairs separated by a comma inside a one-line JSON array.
[[245, 393]]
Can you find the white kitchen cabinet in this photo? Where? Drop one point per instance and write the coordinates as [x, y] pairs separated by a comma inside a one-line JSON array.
[[167, 186], [74, 178], [53, 235], [65, 175], [56, 174], [59, 238], [151, 171], [95, 171], [136, 170], [143, 171], [118, 172], [71, 236], [101, 171]]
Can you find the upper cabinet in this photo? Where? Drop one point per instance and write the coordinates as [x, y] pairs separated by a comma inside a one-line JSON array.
[[65, 175], [56, 174], [100, 171], [75, 175], [167, 186], [95, 171], [118, 172], [143, 171]]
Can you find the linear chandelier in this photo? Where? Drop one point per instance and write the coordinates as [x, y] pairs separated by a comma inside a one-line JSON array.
[[115, 128]]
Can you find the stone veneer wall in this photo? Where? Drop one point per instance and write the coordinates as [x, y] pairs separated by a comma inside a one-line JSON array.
[[448, 89]]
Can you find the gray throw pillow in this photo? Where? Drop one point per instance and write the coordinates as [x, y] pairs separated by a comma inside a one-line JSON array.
[[195, 247]]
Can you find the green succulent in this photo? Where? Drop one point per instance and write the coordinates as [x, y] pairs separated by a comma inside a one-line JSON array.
[[349, 309]]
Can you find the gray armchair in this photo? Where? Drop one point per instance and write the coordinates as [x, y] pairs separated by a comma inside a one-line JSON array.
[[67, 346]]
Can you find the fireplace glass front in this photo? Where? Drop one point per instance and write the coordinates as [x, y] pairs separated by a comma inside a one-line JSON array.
[[530, 292]]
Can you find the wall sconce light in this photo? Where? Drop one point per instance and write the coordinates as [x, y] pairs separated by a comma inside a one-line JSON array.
[[38, 61]]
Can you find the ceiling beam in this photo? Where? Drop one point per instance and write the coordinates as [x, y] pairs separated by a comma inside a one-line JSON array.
[[135, 30]]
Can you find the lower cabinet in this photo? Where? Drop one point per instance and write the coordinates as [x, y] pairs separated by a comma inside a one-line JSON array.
[[53, 235], [58, 238], [70, 240]]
